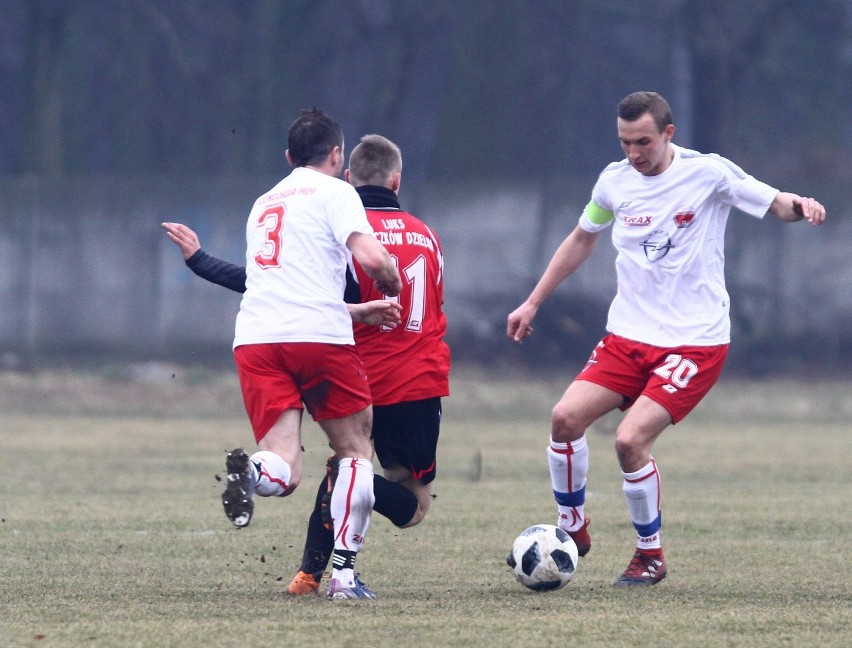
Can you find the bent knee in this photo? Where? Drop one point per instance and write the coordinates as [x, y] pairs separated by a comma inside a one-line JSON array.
[[416, 519]]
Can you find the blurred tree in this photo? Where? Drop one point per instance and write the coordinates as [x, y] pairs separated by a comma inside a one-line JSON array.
[[41, 134], [471, 90], [764, 68]]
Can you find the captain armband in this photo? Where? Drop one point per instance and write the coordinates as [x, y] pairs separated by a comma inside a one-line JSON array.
[[595, 218]]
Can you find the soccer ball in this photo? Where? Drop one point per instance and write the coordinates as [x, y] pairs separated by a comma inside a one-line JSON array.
[[543, 558]]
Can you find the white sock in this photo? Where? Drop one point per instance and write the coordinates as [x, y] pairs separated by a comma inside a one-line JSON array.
[[352, 503], [642, 490], [273, 477], [569, 465]]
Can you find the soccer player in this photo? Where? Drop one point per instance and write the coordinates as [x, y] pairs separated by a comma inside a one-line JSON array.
[[294, 344], [668, 324], [408, 366]]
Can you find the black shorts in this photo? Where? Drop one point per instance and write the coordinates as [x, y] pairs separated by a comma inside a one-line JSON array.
[[407, 434]]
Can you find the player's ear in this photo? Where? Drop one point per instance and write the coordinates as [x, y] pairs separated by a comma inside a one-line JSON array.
[[669, 132], [289, 159], [395, 182], [346, 175]]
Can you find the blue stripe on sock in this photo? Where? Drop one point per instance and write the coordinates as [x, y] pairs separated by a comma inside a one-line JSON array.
[[647, 530], [577, 498]]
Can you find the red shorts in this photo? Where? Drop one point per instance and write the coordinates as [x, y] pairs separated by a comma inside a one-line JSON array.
[[328, 378], [677, 378]]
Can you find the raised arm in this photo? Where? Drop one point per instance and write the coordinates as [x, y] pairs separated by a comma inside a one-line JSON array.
[[233, 277], [214, 270], [571, 253]]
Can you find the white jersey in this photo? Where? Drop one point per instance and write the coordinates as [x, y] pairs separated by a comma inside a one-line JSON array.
[[296, 258], [669, 232]]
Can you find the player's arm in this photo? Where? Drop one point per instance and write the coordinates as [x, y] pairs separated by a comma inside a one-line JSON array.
[[380, 312], [233, 277], [575, 249], [376, 262], [214, 270], [217, 271], [790, 207]]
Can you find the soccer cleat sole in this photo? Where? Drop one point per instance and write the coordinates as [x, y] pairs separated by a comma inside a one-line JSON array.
[[235, 500]]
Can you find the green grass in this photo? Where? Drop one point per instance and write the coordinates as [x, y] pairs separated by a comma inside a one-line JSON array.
[[112, 532]]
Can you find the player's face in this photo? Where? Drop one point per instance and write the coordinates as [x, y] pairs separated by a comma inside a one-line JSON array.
[[646, 148]]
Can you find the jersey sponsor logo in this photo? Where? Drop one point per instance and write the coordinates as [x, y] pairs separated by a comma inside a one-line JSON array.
[[637, 221], [657, 245], [684, 216]]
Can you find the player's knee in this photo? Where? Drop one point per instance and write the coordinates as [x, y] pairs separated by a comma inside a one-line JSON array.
[[628, 446], [416, 519], [565, 424]]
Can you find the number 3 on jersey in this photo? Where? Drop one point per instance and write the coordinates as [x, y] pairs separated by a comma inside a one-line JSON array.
[[415, 275], [270, 222]]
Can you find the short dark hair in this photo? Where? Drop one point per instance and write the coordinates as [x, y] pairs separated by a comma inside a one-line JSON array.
[[373, 161], [311, 137], [634, 105]]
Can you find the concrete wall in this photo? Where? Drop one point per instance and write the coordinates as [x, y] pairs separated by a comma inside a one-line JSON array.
[[86, 269]]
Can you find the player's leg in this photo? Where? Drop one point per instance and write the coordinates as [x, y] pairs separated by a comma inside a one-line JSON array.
[[400, 480], [568, 453], [274, 409], [352, 499], [635, 436], [333, 385], [319, 544], [279, 456], [405, 436], [679, 379], [393, 501], [274, 470]]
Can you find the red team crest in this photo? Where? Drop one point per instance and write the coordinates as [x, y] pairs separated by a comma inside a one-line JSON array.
[[684, 217]]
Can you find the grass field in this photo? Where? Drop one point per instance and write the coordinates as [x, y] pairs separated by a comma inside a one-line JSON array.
[[112, 532]]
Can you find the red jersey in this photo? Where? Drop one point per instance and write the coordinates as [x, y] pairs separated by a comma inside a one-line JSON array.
[[412, 361]]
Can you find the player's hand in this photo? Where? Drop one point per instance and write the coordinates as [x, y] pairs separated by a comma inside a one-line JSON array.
[[518, 324], [380, 312], [809, 209], [183, 237]]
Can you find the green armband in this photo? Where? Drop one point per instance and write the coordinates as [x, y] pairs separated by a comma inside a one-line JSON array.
[[597, 215]]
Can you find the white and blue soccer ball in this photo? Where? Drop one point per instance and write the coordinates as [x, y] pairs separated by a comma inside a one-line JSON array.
[[543, 558]]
